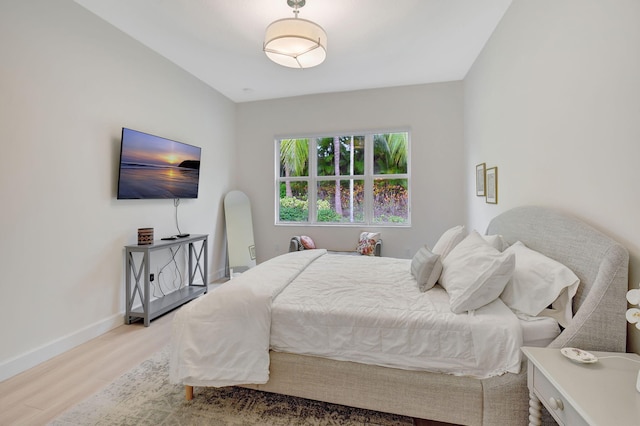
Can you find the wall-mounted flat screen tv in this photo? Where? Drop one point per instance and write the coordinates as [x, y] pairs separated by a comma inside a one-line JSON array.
[[155, 167]]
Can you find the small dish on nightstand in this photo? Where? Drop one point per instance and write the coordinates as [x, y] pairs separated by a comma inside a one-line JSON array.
[[578, 355]]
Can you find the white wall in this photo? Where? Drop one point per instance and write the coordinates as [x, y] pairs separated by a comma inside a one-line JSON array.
[[553, 101], [68, 83], [432, 112]]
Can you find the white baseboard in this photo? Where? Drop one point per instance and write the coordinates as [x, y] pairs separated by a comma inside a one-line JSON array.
[[39, 355], [36, 356]]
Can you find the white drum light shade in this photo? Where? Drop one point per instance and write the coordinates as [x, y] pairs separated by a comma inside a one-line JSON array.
[[295, 43]]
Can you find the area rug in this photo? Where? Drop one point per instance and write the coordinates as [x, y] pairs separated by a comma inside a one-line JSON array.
[[144, 396]]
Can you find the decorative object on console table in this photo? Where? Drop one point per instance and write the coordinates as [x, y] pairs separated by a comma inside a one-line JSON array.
[[492, 185], [633, 317], [480, 179], [137, 266], [145, 236], [579, 392]]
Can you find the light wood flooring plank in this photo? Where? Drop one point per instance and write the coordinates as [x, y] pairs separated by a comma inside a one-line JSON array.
[[40, 394]]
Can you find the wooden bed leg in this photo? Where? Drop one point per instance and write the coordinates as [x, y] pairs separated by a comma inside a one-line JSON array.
[[188, 391]]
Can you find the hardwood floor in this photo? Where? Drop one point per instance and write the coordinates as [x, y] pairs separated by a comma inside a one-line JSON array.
[[40, 394]]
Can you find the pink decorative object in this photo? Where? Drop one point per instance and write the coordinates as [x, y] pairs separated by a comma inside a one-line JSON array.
[[307, 242]]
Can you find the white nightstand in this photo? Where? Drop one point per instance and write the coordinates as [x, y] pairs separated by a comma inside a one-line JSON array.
[[603, 393]]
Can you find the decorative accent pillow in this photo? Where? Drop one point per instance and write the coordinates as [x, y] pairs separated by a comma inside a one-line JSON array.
[[307, 242], [367, 243], [474, 273], [448, 240], [539, 281], [426, 268]]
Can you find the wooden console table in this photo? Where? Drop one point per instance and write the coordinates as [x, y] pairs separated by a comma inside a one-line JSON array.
[[137, 266]]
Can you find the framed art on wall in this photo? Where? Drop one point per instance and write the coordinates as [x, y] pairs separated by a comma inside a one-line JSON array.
[[480, 179], [492, 185]]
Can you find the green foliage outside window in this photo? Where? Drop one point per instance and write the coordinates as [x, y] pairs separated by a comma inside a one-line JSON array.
[[294, 209], [297, 210], [343, 200]]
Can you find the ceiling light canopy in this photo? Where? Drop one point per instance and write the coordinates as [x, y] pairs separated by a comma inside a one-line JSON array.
[[295, 42]]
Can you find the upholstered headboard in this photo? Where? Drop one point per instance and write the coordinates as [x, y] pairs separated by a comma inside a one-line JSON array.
[[601, 263]]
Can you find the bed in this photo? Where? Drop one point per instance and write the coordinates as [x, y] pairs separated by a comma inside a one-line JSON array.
[[480, 398]]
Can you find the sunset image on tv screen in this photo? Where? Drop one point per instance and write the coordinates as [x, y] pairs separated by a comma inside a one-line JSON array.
[[155, 167]]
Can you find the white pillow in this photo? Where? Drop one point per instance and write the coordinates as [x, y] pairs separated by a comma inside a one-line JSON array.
[[496, 241], [426, 268], [448, 240], [474, 273], [538, 282]]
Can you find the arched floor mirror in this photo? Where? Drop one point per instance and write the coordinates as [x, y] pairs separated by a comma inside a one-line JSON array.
[[241, 249]]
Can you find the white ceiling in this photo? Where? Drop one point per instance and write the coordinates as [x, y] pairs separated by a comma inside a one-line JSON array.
[[371, 43]]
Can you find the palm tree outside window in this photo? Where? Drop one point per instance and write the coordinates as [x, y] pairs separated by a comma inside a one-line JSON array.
[[360, 179]]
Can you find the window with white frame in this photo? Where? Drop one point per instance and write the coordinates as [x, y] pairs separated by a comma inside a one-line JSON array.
[[358, 179]]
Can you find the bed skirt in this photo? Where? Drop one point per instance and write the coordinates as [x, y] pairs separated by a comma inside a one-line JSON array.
[[417, 394]]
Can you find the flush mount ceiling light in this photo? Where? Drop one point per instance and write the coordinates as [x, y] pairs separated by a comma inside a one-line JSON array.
[[295, 42]]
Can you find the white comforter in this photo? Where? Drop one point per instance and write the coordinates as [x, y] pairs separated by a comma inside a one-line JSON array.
[[370, 310], [223, 338]]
